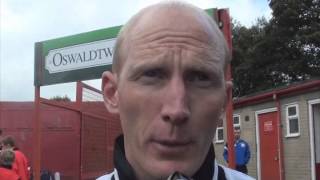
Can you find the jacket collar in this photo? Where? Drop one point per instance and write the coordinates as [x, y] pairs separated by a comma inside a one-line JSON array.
[[125, 171]]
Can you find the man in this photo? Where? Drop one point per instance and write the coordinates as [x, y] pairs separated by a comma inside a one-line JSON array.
[[168, 86], [20, 165], [242, 151], [6, 160]]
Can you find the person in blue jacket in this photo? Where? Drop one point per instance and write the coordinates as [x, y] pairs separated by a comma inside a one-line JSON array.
[[242, 151]]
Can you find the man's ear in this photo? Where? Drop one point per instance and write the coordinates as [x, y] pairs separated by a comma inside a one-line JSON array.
[[228, 97], [110, 91], [229, 86]]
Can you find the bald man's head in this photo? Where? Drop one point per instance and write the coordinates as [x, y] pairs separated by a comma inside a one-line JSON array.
[[168, 87], [169, 14]]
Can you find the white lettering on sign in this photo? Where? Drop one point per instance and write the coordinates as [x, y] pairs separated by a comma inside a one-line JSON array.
[[268, 126], [80, 56]]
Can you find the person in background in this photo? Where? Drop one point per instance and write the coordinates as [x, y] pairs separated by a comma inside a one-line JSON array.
[[242, 151], [168, 86], [20, 165], [6, 160]]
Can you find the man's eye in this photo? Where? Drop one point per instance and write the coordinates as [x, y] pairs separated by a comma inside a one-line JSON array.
[[198, 78], [153, 73], [152, 76]]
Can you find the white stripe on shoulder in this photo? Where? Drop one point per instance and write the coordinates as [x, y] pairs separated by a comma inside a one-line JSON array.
[[215, 175], [109, 176], [235, 175], [116, 176]]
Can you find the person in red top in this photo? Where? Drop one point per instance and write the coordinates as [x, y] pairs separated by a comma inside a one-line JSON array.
[[20, 165], [6, 160]]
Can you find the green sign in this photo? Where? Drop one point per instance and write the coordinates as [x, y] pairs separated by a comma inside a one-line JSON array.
[[78, 57]]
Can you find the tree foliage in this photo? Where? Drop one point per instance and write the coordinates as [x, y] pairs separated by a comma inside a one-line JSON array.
[[280, 51], [61, 99]]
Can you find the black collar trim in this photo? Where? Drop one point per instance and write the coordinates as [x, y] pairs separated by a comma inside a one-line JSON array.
[[125, 171]]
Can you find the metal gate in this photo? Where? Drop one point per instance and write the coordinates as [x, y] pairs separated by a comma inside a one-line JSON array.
[[76, 137]]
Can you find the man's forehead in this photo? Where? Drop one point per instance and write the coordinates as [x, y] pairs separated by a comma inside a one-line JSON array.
[[175, 18], [170, 21]]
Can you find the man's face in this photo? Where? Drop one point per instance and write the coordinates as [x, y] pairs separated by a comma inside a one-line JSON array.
[[170, 95], [237, 135]]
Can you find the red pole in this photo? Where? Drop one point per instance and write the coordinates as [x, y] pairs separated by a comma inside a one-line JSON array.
[[79, 94], [36, 135], [79, 107], [224, 23], [280, 143]]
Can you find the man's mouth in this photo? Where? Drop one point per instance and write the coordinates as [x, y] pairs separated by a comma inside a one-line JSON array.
[[173, 143], [171, 146]]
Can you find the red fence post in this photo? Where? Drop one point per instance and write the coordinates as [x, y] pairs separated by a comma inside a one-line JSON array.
[[225, 25], [36, 155], [79, 94]]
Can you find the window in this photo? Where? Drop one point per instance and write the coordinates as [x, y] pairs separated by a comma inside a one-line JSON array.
[[292, 119], [236, 121], [219, 132], [219, 135]]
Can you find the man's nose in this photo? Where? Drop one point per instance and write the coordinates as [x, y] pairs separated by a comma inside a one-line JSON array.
[[175, 108]]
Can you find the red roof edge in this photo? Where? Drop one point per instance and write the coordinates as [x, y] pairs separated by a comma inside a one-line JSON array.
[[292, 89]]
